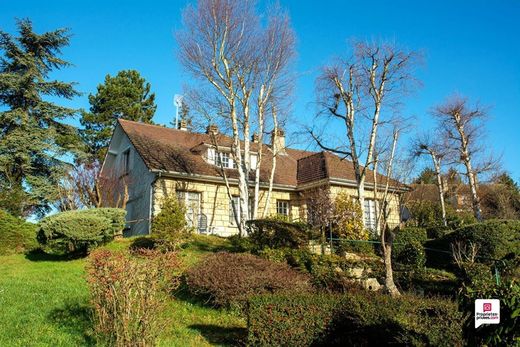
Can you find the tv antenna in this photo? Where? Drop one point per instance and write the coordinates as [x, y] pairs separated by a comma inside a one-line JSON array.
[[177, 101]]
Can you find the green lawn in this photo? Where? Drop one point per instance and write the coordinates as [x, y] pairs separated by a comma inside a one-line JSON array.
[[44, 302]]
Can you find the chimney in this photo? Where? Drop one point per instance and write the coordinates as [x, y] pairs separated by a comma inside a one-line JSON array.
[[256, 138], [279, 140], [212, 129], [183, 125]]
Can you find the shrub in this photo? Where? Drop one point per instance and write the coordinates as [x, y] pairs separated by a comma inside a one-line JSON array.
[[507, 332], [241, 244], [170, 224], [408, 247], [437, 232], [16, 235], [116, 216], [80, 231], [428, 214], [227, 279], [348, 219], [326, 271], [355, 318], [494, 238], [276, 233], [128, 294], [289, 319]]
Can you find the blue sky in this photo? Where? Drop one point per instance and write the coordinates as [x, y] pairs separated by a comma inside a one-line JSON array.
[[470, 47]]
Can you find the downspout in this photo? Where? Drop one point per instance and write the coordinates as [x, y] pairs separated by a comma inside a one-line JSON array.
[[152, 193]]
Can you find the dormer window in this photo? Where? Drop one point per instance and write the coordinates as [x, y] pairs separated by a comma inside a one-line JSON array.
[[225, 160]]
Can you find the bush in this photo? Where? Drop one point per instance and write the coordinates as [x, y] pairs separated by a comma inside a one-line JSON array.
[[507, 332], [427, 214], [16, 235], [437, 232], [227, 279], [128, 293], [355, 318], [116, 216], [80, 231], [327, 271], [276, 233], [241, 244], [348, 219], [170, 226], [494, 238], [408, 247], [289, 319]]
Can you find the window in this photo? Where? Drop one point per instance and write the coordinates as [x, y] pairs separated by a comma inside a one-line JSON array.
[[125, 164], [224, 160], [282, 207], [211, 155], [191, 201], [234, 209], [370, 214], [254, 161]]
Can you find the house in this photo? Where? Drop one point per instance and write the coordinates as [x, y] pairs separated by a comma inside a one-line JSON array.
[[156, 161]]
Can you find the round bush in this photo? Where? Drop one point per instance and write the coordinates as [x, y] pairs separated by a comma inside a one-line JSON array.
[[79, 231], [229, 278]]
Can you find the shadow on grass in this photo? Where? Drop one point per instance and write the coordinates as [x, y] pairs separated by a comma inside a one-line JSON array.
[[218, 335], [40, 255], [75, 318]]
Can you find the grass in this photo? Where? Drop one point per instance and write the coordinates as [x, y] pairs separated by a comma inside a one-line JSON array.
[[44, 302]]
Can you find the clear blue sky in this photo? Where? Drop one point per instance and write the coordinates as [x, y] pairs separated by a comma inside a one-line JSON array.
[[471, 47]]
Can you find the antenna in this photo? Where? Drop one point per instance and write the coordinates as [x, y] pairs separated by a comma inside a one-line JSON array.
[[177, 101]]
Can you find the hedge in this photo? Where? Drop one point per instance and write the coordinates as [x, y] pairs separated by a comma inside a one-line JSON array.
[[227, 279], [408, 246], [356, 318], [81, 230], [277, 233], [16, 235]]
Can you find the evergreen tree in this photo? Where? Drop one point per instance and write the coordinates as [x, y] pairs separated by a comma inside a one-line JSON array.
[[127, 96], [34, 140], [427, 176]]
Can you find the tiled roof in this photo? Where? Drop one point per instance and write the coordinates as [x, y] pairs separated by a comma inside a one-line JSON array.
[[181, 151]]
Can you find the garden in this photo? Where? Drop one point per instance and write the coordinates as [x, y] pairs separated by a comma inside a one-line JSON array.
[[68, 281]]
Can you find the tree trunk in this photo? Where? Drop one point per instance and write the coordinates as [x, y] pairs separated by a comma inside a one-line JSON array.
[[440, 186]]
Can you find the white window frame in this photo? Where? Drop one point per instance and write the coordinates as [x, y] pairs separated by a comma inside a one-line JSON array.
[[369, 219], [186, 198], [283, 207]]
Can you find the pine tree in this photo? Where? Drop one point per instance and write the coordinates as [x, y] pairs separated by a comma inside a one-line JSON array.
[[127, 96], [34, 140]]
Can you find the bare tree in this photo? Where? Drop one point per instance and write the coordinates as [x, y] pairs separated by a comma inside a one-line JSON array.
[[424, 145], [84, 187], [462, 125], [356, 92], [243, 69]]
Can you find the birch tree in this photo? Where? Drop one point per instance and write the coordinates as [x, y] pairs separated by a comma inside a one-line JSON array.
[[422, 146], [242, 66], [359, 95], [462, 127]]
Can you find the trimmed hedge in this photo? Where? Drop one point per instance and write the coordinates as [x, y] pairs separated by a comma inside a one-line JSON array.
[[16, 235], [80, 231], [408, 247], [277, 233], [356, 318], [227, 279], [289, 320]]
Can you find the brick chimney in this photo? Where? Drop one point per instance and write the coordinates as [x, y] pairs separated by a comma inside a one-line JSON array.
[[212, 129], [255, 138], [279, 140]]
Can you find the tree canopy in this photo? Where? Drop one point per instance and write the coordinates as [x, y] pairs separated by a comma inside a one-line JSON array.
[[126, 95], [34, 139]]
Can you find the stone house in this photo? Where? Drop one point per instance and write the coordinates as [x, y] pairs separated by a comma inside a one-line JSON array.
[[156, 161]]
